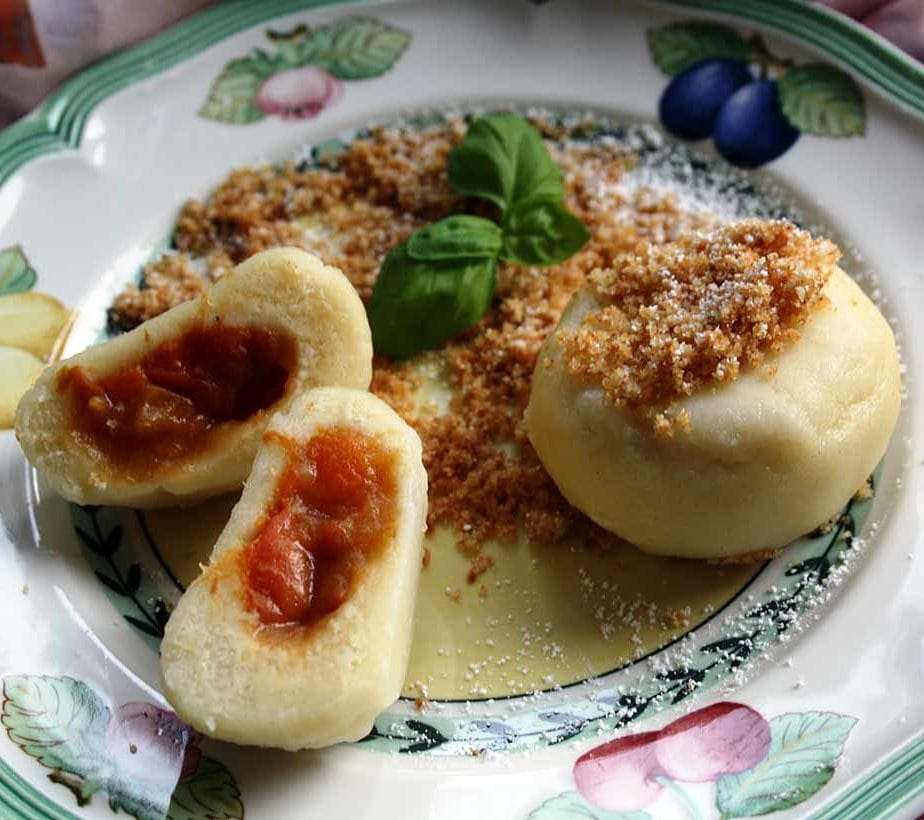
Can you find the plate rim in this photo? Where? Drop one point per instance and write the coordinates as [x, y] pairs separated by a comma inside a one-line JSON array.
[[58, 124]]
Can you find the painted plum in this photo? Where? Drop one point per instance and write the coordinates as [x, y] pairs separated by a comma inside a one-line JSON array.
[[692, 99], [750, 128]]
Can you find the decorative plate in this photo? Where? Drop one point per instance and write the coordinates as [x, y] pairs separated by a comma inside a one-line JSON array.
[[565, 683]]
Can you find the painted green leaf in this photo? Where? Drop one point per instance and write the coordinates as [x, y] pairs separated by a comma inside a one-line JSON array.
[[804, 750], [142, 800], [212, 792], [16, 275], [357, 48], [821, 99], [571, 806], [232, 96], [62, 723], [288, 44], [677, 46]]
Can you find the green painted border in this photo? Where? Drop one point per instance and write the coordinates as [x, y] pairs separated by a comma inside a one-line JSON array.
[[882, 793], [22, 800], [58, 124]]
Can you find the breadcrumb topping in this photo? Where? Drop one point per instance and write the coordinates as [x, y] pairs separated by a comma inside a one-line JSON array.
[[694, 311]]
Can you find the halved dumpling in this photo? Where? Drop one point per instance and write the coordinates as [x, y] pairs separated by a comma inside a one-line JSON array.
[[297, 633], [173, 411]]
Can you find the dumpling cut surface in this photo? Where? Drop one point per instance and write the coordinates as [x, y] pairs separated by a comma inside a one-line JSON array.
[[173, 411], [297, 634], [726, 396]]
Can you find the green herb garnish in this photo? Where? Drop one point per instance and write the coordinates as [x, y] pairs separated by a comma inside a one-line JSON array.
[[440, 281], [541, 232], [504, 159]]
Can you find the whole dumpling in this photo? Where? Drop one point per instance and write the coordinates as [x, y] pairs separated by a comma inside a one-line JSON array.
[[768, 445], [173, 411]]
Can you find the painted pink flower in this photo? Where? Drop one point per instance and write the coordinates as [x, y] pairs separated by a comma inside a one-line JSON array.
[[725, 738], [149, 744], [619, 775], [298, 93]]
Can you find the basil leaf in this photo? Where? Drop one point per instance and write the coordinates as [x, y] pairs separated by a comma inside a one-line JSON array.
[[417, 305], [542, 232], [456, 237], [504, 159]]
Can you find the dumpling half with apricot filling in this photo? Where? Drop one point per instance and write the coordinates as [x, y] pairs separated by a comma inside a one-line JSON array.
[[718, 396], [173, 411], [297, 633]]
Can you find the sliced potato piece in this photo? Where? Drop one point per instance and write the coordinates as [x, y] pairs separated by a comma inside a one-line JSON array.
[[135, 422], [247, 660], [18, 370], [31, 321]]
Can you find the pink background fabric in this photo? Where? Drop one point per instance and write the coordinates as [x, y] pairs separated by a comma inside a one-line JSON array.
[[901, 21]]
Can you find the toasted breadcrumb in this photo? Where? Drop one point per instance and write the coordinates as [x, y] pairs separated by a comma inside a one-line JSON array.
[[696, 310], [169, 281]]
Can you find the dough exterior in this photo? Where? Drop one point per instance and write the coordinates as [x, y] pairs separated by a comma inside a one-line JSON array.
[[281, 289], [766, 458], [326, 685]]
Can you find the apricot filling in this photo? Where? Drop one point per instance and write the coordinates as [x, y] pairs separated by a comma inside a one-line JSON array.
[[332, 512], [160, 410]]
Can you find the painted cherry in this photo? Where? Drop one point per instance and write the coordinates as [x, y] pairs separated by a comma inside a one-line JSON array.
[[620, 775], [725, 738], [298, 93]]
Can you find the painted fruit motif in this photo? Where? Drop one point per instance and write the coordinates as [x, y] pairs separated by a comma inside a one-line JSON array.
[[692, 100], [146, 761], [305, 71], [30, 326], [620, 775], [753, 103], [725, 738], [757, 766], [298, 93], [148, 743], [750, 130]]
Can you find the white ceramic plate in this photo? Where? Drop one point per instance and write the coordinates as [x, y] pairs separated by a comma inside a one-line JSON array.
[[800, 696]]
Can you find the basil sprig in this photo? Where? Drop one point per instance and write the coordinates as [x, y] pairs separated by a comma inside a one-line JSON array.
[[504, 159], [440, 281], [541, 232]]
